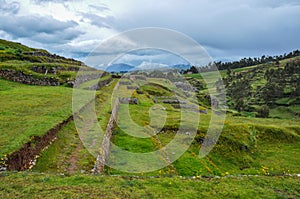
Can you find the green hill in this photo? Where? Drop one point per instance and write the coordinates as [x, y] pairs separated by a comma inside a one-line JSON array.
[[266, 90], [36, 66], [253, 157]]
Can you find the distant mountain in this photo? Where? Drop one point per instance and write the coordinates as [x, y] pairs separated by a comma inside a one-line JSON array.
[[119, 68], [181, 66]]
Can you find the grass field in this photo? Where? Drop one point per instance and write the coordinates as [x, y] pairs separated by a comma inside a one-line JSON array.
[[26, 185], [247, 145], [268, 148], [68, 154], [28, 111]]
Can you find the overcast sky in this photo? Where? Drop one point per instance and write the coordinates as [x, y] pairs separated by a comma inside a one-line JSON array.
[[227, 29]]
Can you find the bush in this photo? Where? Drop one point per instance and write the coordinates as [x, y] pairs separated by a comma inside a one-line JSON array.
[[263, 111]]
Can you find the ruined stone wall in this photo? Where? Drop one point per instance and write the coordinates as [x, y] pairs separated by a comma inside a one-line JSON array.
[[105, 148], [100, 84], [18, 76]]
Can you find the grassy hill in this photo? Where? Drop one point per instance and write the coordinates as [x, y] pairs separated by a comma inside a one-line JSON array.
[[36, 64], [28, 111], [253, 157], [270, 87]]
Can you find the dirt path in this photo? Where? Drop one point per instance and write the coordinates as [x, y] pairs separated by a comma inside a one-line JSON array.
[[73, 160]]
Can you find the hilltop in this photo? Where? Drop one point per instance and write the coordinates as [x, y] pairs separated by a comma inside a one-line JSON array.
[[28, 65]]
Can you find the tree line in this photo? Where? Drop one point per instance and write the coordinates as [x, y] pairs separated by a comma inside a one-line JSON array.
[[245, 62]]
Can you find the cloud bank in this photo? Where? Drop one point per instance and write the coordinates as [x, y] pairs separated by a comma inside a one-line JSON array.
[[227, 29]]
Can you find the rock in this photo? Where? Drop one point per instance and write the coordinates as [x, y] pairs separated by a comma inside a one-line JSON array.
[[173, 102], [128, 100], [3, 168], [132, 87], [18, 76], [203, 111]]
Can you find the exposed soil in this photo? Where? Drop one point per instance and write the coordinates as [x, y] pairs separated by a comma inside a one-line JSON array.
[[73, 168], [23, 158]]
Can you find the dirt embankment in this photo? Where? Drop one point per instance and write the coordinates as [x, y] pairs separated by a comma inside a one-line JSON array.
[[23, 158]]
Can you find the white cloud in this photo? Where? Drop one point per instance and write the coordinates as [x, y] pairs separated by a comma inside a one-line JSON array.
[[231, 28]]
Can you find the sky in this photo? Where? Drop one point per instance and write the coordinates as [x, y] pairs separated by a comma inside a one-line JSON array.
[[226, 29]]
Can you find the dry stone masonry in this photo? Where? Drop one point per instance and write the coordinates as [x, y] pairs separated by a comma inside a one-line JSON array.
[[105, 148], [20, 77]]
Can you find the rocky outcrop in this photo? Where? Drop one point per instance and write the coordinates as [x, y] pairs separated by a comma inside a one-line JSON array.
[[20, 77], [51, 57]]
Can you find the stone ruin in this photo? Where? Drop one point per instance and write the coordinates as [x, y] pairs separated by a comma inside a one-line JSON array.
[[132, 87], [173, 101], [124, 83], [128, 100], [20, 77]]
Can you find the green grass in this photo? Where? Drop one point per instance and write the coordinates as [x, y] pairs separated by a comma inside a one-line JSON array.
[[263, 147], [66, 155], [16, 51], [23, 59], [241, 149], [63, 75], [245, 149], [28, 111], [28, 185]]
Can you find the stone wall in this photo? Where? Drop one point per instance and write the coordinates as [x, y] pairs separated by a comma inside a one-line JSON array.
[[86, 76], [129, 100], [105, 148], [100, 84], [20, 77]]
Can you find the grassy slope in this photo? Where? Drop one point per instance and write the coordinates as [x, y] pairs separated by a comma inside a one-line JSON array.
[[27, 185], [283, 110], [272, 148], [68, 154], [246, 146], [30, 110], [15, 56]]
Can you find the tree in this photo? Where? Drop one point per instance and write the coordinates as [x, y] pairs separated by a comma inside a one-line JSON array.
[[263, 111], [240, 105], [193, 69]]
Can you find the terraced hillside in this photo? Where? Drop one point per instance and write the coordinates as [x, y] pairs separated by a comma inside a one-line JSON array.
[[264, 90], [256, 157], [27, 65]]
